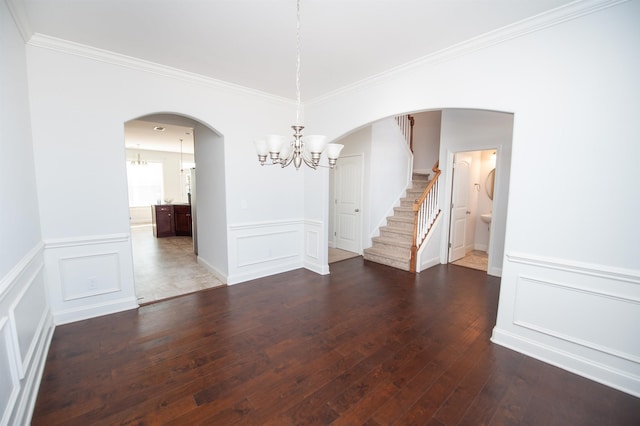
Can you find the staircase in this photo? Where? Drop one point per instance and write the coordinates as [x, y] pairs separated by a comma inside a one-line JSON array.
[[393, 246]]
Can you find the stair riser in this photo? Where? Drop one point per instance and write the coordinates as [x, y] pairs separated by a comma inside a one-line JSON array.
[[406, 238], [407, 203], [399, 224], [396, 238], [389, 262], [413, 195], [392, 249], [403, 213]]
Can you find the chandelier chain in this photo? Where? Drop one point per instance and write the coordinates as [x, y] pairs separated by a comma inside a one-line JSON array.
[[298, 151], [298, 63]]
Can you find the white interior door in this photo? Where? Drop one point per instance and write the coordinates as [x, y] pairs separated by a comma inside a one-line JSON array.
[[459, 209], [348, 203]]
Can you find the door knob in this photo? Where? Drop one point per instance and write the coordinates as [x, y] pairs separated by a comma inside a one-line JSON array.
[[357, 210], [468, 212]]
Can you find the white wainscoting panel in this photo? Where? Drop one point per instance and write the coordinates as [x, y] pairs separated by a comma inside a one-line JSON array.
[[584, 318], [89, 276], [10, 384], [27, 316], [578, 325], [26, 329], [316, 255], [266, 248]]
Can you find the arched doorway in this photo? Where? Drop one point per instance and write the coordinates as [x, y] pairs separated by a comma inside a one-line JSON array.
[[168, 255], [438, 135]]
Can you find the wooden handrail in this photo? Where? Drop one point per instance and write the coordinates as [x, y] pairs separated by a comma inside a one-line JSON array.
[[411, 122], [405, 124], [425, 211]]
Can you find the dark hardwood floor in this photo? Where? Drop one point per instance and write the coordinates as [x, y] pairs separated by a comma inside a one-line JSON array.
[[367, 344]]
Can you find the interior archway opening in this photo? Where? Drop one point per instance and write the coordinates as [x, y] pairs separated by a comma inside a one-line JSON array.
[[170, 158], [390, 164]]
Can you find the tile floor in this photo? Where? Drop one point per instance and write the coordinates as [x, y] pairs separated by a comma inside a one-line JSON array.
[[336, 255], [476, 259], [166, 267]]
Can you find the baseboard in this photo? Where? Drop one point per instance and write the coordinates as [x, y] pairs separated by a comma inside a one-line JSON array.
[[216, 273], [255, 274], [494, 271], [94, 310], [429, 263], [481, 247], [317, 268], [578, 365]]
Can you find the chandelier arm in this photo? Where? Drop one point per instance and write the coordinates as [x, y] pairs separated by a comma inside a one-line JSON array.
[[308, 162], [284, 162]]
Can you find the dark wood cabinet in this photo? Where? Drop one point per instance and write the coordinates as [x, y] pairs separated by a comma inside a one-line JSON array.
[[169, 220], [162, 220], [182, 216]]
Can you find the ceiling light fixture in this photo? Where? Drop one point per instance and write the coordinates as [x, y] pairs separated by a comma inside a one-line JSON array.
[[295, 152], [159, 129]]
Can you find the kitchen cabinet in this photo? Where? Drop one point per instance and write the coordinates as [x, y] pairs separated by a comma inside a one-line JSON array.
[[162, 220], [182, 219], [169, 220]]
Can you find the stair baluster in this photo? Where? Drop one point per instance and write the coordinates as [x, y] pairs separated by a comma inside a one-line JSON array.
[[426, 210]]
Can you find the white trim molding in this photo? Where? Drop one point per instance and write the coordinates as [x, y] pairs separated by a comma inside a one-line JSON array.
[[26, 330], [264, 248], [10, 383], [89, 276], [316, 255], [539, 22], [579, 316], [113, 58]]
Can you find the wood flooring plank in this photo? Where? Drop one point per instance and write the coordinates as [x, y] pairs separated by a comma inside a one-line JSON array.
[[367, 344]]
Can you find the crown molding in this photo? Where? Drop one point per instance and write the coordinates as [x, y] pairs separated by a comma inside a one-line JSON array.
[[19, 15], [109, 57], [521, 28]]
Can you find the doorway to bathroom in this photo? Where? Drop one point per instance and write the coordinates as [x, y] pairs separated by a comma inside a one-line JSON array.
[[471, 212]]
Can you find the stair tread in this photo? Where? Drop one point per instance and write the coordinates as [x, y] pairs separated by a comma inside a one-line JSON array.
[[382, 253], [397, 235], [393, 241], [400, 219], [405, 232]]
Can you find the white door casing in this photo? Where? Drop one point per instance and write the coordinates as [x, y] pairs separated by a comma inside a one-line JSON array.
[[459, 210], [348, 203]]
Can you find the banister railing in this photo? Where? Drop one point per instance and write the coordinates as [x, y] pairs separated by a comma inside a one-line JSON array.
[[405, 123], [425, 212]]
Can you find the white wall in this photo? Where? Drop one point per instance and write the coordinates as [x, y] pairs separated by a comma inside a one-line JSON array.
[[426, 140], [26, 325], [356, 143], [485, 204], [210, 201], [471, 130], [389, 152], [570, 284], [381, 145], [74, 87]]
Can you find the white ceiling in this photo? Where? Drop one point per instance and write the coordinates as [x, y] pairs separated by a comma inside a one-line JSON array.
[[141, 134], [252, 43]]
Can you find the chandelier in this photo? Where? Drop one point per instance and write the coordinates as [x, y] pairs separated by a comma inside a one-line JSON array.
[[138, 162], [307, 150]]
